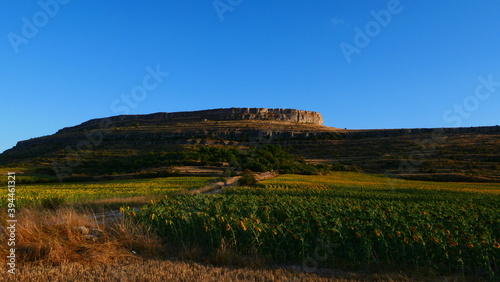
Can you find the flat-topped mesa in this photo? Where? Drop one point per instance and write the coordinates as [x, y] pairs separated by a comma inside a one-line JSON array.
[[290, 115], [226, 114]]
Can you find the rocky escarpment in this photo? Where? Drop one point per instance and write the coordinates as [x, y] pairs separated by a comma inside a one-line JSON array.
[[219, 126], [230, 124], [440, 151], [227, 114]]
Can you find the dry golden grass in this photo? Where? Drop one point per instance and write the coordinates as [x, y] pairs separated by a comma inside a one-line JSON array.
[[171, 270], [51, 238], [161, 270]]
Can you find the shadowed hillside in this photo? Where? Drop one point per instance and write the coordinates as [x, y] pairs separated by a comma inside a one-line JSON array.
[[225, 141]]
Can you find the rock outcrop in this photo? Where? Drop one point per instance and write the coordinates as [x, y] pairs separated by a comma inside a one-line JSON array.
[[227, 114]]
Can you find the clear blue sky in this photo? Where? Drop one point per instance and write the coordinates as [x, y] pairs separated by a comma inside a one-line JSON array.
[[66, 63]]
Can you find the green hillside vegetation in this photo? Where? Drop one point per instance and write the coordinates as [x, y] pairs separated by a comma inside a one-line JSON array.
[[154, 148], [256, 158]]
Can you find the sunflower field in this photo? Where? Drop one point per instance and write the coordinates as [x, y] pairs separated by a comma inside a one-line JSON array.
[[31, 195], [343, 220]]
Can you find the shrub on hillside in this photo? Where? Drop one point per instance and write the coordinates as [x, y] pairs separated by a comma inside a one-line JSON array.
[[247, 178]]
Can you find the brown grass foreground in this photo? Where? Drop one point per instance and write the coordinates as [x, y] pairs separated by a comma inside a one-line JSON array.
[[167, 270], [51, 237], [50, 248]]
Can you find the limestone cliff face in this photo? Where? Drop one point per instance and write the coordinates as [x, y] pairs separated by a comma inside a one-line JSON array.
[[167, 132], [227, 114], [290, 115]]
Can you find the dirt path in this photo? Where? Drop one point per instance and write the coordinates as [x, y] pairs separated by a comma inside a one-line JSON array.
[[266, 175], [214, 188], [218, 187]]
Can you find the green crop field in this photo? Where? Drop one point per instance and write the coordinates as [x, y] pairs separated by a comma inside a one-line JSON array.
[[31, 195], [343, 220]]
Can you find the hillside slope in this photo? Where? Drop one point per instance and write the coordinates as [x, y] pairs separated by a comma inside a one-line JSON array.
[[159, 142]]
